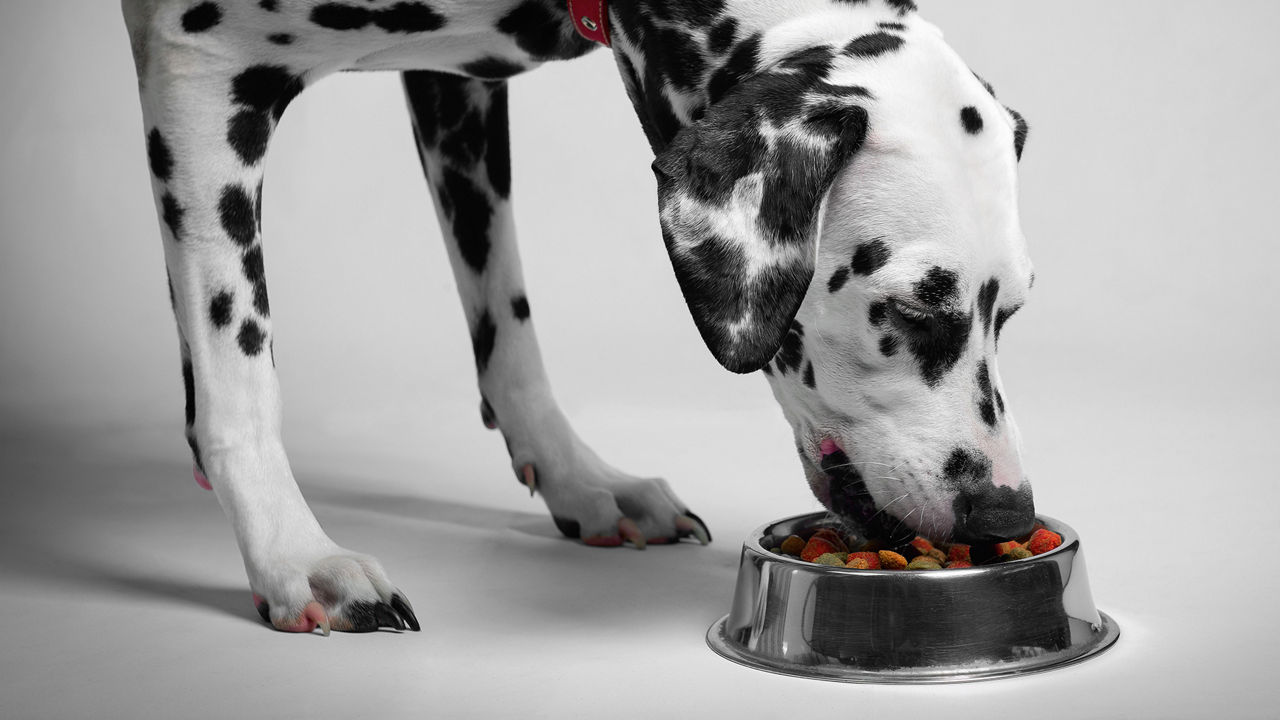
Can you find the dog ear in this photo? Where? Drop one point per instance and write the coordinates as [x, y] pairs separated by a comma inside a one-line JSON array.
[[739, 195]]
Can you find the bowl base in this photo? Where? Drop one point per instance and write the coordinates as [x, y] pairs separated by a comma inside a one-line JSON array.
[[1097, 639]]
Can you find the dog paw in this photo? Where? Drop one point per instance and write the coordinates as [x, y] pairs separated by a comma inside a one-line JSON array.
[[607, 508], [342, 591]]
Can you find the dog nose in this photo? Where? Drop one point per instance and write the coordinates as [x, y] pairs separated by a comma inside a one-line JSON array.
[[994, 514]]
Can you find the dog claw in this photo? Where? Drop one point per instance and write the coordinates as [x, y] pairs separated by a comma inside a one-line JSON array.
[[689, 526], [629, 530], [401, 605], [529, 478], [201, 480], [487, 414]]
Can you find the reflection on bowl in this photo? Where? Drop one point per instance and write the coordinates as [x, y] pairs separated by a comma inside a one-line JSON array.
[[894, 626]]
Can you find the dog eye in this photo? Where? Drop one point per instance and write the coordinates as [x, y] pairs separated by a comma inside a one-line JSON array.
[[910, 317]]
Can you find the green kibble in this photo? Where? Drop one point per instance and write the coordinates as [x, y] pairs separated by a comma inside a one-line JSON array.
[[1018, 553], [776, 551], [832, 559]]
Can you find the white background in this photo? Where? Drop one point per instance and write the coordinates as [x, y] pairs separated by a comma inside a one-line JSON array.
[[1142, 374]]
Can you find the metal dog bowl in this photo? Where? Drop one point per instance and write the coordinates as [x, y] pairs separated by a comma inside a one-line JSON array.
[[900, 626]]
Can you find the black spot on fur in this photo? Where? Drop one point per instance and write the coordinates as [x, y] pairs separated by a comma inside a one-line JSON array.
[[902, 6], [266, 88], [815, 60], [1002, 316], [877, 312], [791, 354], [721, 35], [248, 132], [201, 17], [870, 257], [268, 5], [402, 17], [986, 401], [280, 39], [483, 339], [236, 212], [888, 345], [767, 369], [220, 308], [1020, 131], [540, 31], [463, 145], [986, 302], [520, 307], [189, 389], [250, 337], [497, 156], [492, 67], [471, 218], [873, 45], [172, 213], [990, 90], [742, 63], [682, 60], [255, 273], [891, 26], [838, 279], [939, 342], [971, 119], [965, 465], [938, 287], [421, 89], [999, 402], [808, 376], [159, 155]]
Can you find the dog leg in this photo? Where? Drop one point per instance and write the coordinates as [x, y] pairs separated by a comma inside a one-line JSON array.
[[207, 121], [460, 125]]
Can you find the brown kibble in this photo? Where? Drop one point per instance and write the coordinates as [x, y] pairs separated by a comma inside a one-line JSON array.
[[858, 563], [793, 545], [938, 555]]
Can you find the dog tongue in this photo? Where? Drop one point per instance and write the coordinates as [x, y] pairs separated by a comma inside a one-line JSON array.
[[829, 447]]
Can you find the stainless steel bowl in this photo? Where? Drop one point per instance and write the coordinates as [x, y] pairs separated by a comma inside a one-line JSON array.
[[895, 626]]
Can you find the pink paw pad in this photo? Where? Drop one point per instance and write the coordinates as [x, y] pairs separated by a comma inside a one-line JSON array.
[[201, 480]]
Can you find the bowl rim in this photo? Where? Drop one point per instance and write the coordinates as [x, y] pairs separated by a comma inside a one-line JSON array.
[[1070, 540]]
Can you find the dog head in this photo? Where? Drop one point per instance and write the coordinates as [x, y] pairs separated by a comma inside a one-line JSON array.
[[846, 221]]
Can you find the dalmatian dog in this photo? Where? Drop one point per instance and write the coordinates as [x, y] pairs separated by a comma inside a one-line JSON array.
[[836, 190]]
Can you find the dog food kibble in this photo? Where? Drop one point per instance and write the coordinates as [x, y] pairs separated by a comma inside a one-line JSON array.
[[890, 560], [793, 545], [923, 562], [827, 546], [1043, 540]]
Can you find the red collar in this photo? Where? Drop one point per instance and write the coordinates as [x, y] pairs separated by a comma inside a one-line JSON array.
[[591, 19]]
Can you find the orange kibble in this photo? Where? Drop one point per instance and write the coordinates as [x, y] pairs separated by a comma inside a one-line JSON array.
[[890, 560], [922, 544], [858, 563], [959, 551], [956, 564], [1043, 540], [871, 559], [1005, 548], [815, 547]]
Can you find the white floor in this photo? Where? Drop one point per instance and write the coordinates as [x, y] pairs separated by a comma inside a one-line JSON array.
[[123, 595]]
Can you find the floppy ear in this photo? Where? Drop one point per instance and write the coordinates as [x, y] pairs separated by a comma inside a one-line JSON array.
[[739, 194]]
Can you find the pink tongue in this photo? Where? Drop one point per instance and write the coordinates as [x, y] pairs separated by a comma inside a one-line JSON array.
[[201, 480], [829, 447]]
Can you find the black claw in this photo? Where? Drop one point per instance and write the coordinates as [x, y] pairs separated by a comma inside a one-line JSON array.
[[698, 520], [387, 617], [402, 607], [568, 528], [264, 610]]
